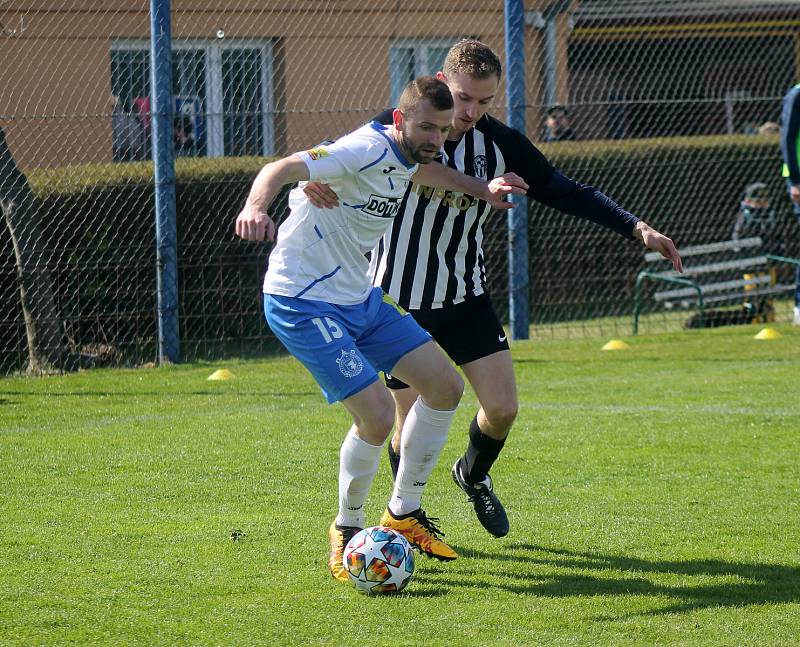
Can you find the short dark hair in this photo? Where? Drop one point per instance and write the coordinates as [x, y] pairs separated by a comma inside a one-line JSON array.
[[557, 108], [473, 58], [429, 88], [756, 191]]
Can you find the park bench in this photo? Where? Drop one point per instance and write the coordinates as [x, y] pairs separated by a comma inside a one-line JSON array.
[[717, 273]]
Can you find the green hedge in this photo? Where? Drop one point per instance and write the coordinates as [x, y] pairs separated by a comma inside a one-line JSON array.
[[100, 233], [688, 188]]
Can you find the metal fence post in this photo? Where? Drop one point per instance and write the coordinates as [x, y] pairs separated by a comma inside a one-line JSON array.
[[162, 107], [518, 298]]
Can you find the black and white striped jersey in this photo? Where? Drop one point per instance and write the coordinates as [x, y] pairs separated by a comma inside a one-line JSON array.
[[432, 256]]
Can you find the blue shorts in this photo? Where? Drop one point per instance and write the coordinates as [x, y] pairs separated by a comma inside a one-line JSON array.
[[344, 347]]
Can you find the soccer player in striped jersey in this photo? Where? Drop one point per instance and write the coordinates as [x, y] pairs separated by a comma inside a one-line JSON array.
[[431, 262], [319, 301]]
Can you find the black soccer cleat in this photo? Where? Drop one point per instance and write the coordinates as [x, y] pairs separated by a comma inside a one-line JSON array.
[[489, 510], [394, 460]]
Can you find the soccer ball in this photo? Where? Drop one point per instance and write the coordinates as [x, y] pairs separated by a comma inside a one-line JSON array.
[[379, 560]]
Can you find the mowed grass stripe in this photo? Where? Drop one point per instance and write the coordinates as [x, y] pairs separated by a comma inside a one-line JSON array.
[[653, 496]]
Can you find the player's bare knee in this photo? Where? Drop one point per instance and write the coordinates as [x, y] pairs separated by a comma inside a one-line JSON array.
[[451, 390], [386, 423], [376, 427], [383, 419], [445, 393], [374, 419], [501, 414]]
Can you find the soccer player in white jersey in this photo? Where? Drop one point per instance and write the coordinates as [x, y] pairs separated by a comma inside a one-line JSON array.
[[431, 262], [319, 301]]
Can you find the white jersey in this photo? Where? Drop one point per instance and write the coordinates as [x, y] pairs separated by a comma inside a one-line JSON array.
[[320, 254]]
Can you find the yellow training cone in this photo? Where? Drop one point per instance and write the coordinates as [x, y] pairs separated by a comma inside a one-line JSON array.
[[768, 333], [615, 344], [221, 374]]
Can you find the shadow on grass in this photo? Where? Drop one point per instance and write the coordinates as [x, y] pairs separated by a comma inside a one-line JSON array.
[[159, 394], [432, 592], [621, 575]]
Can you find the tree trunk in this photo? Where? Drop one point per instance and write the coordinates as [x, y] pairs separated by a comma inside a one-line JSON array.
[[42, 324]]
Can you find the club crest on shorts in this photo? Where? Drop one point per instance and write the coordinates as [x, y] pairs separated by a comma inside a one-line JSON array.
[[350, 363]]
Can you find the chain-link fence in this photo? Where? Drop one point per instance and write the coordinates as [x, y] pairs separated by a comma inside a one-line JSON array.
[[671, 107]]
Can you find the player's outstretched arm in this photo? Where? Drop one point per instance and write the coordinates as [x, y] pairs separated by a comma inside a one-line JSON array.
[[494, 192], [254, 222], [658, 242]]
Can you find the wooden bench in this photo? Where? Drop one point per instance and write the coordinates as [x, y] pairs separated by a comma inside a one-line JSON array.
[[713, 273]]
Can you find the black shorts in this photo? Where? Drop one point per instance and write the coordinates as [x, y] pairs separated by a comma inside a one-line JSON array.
[[466, 331]]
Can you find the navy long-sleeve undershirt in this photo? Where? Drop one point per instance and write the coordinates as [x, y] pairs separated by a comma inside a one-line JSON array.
[[584, 201]]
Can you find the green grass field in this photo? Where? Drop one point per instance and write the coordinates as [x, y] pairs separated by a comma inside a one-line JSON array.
[[653, 494]]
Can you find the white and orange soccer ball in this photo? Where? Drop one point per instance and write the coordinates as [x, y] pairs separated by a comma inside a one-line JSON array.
[[379, 560]]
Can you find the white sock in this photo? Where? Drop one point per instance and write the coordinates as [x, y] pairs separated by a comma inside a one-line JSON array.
[[424, 435], [358, 462]]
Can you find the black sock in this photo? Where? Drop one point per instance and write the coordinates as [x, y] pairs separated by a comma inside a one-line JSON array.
[[394, 460], [481, 454]]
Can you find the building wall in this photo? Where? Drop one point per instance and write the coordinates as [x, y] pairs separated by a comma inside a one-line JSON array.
[[55, 80], [331, 62], [332, 71]]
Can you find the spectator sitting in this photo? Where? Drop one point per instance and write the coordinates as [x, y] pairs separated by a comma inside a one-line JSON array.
[[757, 217]]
